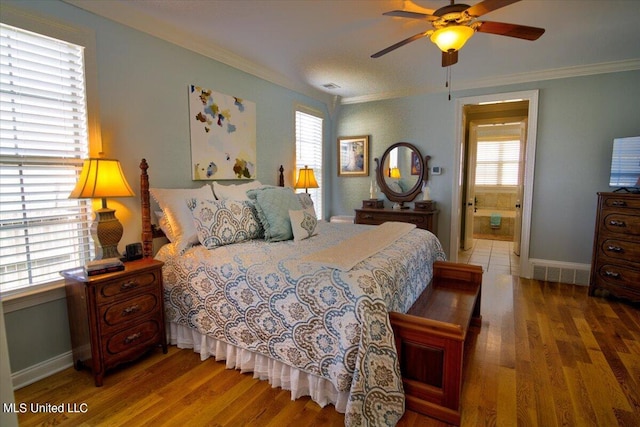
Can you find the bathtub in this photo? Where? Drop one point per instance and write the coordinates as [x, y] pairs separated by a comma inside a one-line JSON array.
[[482, 222], [488, 212]]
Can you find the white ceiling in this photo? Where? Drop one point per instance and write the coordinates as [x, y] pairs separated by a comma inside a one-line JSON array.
[[305, 44]]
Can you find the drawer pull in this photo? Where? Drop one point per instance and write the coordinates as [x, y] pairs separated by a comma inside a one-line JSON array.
[[131, 310], [617, 223], [367, 216], [619, 203], [127, 286], [616, 249], [133, 337], [612, 274]]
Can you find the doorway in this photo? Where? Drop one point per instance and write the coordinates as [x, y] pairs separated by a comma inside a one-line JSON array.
[[493, 186], [520, 107]]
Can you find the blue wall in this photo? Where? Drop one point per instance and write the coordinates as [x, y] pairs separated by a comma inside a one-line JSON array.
[[578, 118]]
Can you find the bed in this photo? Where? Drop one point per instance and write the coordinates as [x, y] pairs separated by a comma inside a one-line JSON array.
[[311, 314]]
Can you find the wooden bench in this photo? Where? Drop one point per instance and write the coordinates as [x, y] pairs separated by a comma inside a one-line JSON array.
[[430, 340]]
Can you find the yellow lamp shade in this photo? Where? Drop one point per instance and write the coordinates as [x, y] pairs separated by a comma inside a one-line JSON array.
[[101, 178], [306, 179], [395, 173], [452, 38]]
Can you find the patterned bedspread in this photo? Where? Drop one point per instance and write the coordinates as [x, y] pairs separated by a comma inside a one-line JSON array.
[[330, 323]]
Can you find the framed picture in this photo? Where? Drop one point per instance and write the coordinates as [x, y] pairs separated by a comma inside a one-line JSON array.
[[415, 163], [353, 156]]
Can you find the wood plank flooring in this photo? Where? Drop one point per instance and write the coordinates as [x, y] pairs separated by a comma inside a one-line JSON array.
[[546, 355]]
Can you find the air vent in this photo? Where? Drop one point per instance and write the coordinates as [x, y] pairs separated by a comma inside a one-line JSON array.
[[553, 271]]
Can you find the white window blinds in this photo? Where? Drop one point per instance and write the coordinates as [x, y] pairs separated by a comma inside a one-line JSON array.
[[498, 162], [43, 140], [309, 152]]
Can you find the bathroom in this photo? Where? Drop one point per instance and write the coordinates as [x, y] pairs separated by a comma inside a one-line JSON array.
[[494, 212]]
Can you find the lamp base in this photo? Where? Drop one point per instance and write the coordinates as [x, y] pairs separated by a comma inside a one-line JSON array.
[[107, 232]]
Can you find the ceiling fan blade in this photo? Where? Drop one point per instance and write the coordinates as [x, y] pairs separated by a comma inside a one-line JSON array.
[[411, 15], [487, 6], [510, 30], [449, 58], [402, 43]]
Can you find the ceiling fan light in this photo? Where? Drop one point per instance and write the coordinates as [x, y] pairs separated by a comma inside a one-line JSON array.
[[452, 37]]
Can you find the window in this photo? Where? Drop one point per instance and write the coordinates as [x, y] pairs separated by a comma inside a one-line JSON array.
[[498, 162], [309, 151], [44, 138]]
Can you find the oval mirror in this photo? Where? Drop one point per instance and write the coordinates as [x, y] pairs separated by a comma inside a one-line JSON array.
[[400, 172]]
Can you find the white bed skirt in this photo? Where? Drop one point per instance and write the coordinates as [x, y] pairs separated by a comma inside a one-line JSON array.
[[300, 383]]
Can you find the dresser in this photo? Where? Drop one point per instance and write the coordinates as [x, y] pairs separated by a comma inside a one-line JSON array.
[[115, 317], [425, 219], [615, 265]]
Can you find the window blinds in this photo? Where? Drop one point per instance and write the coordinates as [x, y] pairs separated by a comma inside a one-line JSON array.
[[498, 162], [309, 152], [43, 140]]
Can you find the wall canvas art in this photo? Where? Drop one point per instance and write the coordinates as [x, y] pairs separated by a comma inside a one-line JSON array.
[[223, 135]]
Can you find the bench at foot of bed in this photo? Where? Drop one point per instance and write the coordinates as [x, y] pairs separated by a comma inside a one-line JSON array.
[[430, 340]]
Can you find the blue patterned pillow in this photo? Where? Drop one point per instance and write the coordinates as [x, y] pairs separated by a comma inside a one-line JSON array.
[[273, 205], [223, 222]]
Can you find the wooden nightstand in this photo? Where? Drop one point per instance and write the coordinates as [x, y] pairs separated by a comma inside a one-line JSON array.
[[115, 317]]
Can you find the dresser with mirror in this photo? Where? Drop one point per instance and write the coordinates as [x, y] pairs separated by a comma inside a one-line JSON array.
[[400, 174]]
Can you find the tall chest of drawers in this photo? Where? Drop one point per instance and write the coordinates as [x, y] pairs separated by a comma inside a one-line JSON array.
[[115, 317], [615, 265]]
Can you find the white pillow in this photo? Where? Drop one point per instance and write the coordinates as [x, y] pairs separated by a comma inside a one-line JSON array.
[[173, 203], [307, 203], [234, 191], [163, 223], [303, 223]]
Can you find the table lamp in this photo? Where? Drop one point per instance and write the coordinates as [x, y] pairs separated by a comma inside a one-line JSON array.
[[102, 178], [306, 179]]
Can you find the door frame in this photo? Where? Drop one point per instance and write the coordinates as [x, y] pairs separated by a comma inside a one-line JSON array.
[[529, 167]]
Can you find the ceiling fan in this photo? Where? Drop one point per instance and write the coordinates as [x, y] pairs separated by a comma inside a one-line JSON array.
[[454, 24]]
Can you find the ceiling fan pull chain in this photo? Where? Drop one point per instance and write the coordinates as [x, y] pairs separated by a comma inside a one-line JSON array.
[[448, 84]]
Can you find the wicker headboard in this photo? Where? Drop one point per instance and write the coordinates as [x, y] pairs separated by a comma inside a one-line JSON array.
[[149, 232]]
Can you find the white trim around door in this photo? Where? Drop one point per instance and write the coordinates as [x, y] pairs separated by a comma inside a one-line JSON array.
[[456, 203]]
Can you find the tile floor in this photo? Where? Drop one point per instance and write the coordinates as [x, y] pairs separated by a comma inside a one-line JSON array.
[[494, 256]]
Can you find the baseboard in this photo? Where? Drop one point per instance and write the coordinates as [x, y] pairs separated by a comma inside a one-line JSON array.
[[41, 370], [558, 271]]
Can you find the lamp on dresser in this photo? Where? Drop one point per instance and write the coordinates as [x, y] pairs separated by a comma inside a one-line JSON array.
[[306, 179], [102, 178]]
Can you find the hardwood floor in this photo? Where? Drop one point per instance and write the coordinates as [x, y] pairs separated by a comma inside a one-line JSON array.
[[546, 355]]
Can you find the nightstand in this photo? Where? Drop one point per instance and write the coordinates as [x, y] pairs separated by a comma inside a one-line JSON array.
[[115, 317]]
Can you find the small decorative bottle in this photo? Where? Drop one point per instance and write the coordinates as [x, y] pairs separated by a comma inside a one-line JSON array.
[[373, 190], [426, 191]]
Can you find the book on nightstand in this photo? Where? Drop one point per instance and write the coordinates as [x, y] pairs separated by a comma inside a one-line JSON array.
[[103, 266]]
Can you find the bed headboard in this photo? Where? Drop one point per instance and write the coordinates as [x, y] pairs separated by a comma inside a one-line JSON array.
[[149, 231]]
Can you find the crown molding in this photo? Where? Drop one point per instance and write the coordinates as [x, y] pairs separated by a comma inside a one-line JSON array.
[[123, 14], [533, 76]]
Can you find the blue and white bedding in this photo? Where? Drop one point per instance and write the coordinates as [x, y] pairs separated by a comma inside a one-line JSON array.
[[260, 297]]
